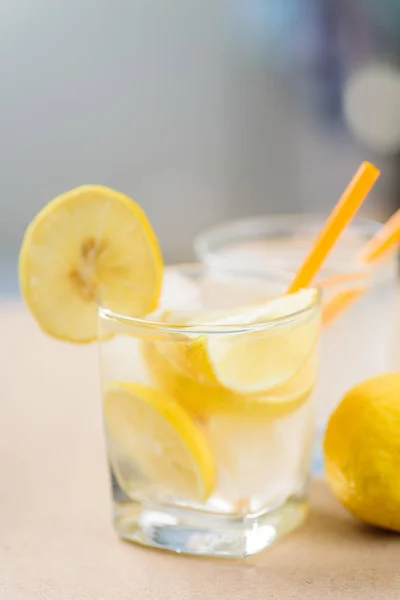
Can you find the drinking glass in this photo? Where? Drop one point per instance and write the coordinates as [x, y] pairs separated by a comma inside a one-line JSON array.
[[209, 427], [356, 345]]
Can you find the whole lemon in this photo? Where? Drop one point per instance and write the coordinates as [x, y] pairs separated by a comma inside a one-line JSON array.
[[362, 451]]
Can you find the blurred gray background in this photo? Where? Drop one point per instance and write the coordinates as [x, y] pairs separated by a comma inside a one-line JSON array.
[[201, 110]]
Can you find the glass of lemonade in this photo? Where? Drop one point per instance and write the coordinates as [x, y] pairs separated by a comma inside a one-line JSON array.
[[349, 353], [208, 411]]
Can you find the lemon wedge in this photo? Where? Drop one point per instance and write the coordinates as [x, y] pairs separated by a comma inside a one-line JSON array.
[[151, 436], [362, 450], [254, 361], [89, 241]]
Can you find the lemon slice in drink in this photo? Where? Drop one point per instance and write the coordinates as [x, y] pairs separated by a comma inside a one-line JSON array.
[[182, 367], [147, 428], [89, 241], [205, 399], [253, 361], [199, 398], [288, 396]]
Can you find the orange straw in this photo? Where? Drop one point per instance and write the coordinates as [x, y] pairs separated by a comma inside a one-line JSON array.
[[381, 245], [335, 280], [384, 241], [337, 305], [347, 206]]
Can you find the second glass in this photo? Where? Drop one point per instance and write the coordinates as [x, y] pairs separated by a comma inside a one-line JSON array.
[[209, 426], [355, 346]]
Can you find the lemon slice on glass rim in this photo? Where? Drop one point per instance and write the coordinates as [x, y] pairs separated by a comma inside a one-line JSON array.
[[88, 242], [147, 426]]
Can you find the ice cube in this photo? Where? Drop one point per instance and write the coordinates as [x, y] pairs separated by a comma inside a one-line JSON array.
[[178, 291], [122, 360], [261, 461]]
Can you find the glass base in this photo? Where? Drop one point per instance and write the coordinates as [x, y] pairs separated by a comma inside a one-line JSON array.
[[206, 534]]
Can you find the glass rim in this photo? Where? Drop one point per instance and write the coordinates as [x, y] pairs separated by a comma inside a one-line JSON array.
[[206, 242], [201, 328], [210, 244]]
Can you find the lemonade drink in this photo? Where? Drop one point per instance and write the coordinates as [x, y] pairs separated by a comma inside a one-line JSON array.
[[209, 412], [207, 376], [281, 242]]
